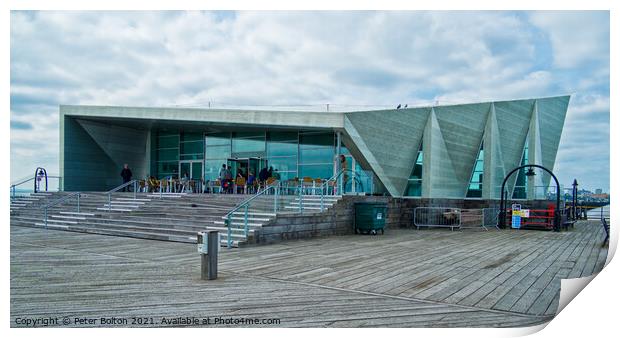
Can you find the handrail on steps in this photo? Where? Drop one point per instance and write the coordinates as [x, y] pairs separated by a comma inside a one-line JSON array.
[[60, 201], [26, 180], [124, 185], [276, 188]]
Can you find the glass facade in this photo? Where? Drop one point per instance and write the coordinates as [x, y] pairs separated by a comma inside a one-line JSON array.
[[167, 153], [316, 155], [414, 185], [475, 183], [291, 153]]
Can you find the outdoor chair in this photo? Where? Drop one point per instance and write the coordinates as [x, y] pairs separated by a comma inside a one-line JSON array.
[[142, 186], [240, 183]]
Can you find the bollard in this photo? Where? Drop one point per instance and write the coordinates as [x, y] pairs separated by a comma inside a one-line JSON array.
[[208, 247]]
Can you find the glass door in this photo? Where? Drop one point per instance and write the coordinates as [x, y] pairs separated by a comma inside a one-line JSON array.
[[196, 171], [185, 169], [254, 166], [191, 169]]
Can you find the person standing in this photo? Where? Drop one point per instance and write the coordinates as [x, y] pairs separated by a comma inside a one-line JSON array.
[[126, 175], [229, 179], [345, 177], [263, 175], [222, 176]]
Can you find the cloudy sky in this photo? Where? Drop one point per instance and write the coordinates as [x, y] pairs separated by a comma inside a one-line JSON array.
[[307, 59]]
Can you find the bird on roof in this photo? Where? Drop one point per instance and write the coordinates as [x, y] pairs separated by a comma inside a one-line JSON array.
[[398, 106]]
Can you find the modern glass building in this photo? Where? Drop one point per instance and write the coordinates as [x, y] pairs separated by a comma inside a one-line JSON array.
[[456, 151]]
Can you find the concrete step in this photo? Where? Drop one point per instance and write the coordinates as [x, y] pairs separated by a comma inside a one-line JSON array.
[[168, 194], [52, 225], [114, 209], [269, 214], [132, 202], [305, 208], [122, 205], [77, 213], [325, 203], [58, 221], [249, 218], [133, 199], [240, 224], [68, 217]]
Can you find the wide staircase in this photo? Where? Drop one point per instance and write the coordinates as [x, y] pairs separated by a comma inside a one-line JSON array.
[[168, 216]]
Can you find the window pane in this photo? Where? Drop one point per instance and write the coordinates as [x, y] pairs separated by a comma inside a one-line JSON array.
[[191, 157], [414, 188], [167, 168], [185, 137], [218, 139], [287, 175], [248, 145], [212, 169], [168, 141], [217, 152], [417, 172], [316, 171], [317, 140], [249, 134], [283, 136], [319, 155], [168, 154], [281, 149], [283, 163], [192, 147]]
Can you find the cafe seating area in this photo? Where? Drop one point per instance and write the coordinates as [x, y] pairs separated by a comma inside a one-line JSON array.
[[305, 185]]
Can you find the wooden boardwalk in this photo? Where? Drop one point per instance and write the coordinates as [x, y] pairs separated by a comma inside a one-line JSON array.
[[407, 278]]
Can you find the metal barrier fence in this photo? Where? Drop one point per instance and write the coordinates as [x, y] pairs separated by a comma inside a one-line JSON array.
[[437, 217], [472, 219], [490, 218]]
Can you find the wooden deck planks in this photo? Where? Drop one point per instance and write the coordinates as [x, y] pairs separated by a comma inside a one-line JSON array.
[[405, 278]]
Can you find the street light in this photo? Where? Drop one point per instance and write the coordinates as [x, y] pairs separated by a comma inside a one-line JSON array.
[[530, 172]]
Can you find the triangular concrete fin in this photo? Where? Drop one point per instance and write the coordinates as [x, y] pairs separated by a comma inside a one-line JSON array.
[[551, 117], [438, 176], [389, 141], [462, 127], [513, 121]]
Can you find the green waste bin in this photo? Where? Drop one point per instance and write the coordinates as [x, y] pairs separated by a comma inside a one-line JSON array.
[[370, 217]]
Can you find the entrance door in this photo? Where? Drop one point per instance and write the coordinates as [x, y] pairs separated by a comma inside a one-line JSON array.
[[246, 165], [193, 169]]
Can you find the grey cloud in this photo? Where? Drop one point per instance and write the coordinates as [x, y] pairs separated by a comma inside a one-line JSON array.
[[367, 57]]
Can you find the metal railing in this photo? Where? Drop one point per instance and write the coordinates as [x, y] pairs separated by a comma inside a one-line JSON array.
[[272, 200], [437, 217], [24, 181], [124, 185], [245, 205], [60, 201], [490, 218], [161, 185]]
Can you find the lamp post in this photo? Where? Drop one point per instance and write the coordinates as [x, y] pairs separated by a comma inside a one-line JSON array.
[[574, 214], [530, 172]]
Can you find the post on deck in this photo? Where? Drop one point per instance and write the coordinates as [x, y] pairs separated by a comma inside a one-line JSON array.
[[208, 247]]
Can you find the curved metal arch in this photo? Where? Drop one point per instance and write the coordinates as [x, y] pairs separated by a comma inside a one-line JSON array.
[[36, 175], [556, 218]]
